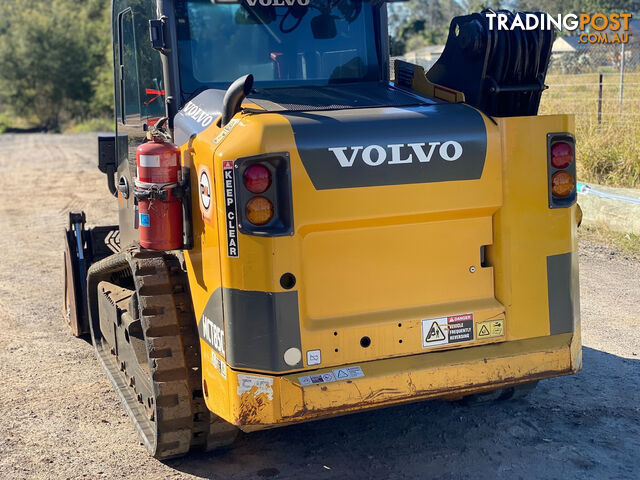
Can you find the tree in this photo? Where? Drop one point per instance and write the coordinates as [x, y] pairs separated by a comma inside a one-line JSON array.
[[579, 6], [50, 54], [426, 22]]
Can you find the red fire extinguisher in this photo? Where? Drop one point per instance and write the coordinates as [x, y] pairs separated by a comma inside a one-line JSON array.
[[159, 209]]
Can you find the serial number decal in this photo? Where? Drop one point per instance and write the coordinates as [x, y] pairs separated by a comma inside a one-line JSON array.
[[230, 209], [447, 330], [221, 367]]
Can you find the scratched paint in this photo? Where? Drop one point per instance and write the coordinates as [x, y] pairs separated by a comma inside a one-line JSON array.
[[255, 385]]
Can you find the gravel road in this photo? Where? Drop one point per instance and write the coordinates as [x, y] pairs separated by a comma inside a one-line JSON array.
[[59, 417]]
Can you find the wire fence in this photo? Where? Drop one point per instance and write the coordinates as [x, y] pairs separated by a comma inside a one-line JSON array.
[[600, 84]]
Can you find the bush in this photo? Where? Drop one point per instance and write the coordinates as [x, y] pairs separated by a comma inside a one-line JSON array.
[[51, 52], [93, 125]]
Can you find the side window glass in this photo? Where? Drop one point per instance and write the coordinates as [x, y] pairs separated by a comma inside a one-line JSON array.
[[149, 69], [130, 100]]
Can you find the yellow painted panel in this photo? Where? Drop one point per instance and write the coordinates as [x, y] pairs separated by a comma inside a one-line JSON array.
[[526, 229], [371, 269]]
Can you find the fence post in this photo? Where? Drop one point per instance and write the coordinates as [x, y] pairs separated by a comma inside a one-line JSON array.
[[600, 99], [621, 73]]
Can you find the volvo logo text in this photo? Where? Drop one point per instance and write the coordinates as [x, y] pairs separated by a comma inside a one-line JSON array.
[[397, 154], [194, 111]]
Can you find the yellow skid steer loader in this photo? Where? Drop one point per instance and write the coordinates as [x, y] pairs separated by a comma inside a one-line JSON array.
[[301, 237]]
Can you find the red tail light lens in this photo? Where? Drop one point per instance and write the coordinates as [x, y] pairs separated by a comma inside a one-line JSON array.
[[561, 155], [257, 178], [562, 184]]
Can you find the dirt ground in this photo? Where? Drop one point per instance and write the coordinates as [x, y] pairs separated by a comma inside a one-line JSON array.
[[59, 417]]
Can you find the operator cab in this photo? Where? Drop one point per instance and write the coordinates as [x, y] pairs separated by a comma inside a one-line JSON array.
[[177, 58], [208, 45]]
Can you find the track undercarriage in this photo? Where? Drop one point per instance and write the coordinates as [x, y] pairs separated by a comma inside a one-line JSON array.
[[143, 328]]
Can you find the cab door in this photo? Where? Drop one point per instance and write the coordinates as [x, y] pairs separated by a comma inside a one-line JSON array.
[[139, 99]]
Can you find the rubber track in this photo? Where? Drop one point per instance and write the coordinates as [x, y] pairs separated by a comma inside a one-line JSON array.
[[181, 419]]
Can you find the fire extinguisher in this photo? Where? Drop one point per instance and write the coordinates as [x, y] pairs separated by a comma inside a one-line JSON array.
[[156, 186]]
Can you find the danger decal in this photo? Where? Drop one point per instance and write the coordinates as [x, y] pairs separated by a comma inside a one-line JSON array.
[[230, 203], [447, 330]]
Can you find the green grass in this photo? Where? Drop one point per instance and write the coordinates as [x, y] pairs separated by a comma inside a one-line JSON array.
[[93, 125], [4, 122], [607, 153], [625, 243]]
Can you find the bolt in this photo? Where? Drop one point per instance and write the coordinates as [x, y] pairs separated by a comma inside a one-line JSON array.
[[472, 269]]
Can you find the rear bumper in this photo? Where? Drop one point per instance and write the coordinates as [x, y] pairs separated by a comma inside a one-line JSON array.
[[263, 401]]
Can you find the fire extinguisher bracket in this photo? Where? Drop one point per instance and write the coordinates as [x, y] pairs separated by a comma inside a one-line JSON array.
[[155, 191]]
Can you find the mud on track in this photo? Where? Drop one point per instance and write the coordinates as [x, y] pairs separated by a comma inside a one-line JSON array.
[[59, 417]]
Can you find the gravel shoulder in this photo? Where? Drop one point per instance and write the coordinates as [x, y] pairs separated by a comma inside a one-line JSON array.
[[60, 418]]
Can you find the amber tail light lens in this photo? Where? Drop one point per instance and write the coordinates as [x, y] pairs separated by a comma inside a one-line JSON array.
[[259, 211], [562, 184]]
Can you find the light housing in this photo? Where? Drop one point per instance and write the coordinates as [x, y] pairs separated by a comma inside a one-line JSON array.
[[270, 175], [561, 170]]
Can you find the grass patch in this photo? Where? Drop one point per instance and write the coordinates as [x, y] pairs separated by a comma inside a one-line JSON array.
[[607, 153], [93, 125], [4, 122], [626, 243]]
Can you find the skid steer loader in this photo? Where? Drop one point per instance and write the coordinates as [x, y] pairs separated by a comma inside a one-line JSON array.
[[301, 237]]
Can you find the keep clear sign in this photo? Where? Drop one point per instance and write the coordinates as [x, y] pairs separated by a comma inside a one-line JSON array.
[[447, 330], [230, 203]]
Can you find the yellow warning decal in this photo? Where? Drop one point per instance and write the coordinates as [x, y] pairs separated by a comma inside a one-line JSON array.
[[226, 130], [494, 328]]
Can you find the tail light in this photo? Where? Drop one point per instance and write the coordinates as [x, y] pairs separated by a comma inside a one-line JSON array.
[[264, 200], [257, 178], [259, 211], [561, 167], [561, 155], [562, 184]]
